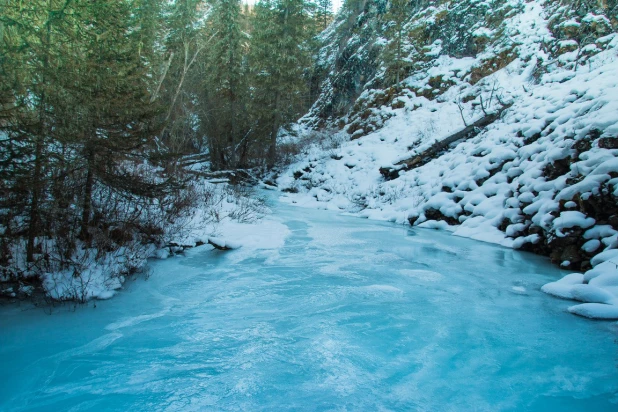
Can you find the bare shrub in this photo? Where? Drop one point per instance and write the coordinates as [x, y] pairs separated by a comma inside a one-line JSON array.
[[250, 207], [384, 194], [326, 140]]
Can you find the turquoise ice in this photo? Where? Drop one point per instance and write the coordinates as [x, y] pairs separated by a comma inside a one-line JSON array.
[[350, 315]]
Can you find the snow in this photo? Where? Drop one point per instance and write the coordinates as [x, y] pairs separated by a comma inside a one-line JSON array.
[[600, 231], [595, 311], [94, 283], [598, 287], [222, 243], [563, 288], [591, 245], [253, 238], [572, 219], [435, 224], [479, 229], [495, 186], [592, 294], [229, 220], [608, 255]]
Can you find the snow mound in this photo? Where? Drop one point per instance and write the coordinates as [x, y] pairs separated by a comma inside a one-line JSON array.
[[591, 294], [563, 288], [598, 288], [224, 244], [595, 311]]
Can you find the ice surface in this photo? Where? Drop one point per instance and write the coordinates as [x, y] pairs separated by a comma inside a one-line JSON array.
[[332, 313], [519, 290]]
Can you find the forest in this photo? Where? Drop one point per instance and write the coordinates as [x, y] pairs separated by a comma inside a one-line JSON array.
[[100, 102]]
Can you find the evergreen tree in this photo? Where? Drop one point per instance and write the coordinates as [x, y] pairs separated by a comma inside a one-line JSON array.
[[224, 89], [182, 64], [324, 13], [109, 95], [279, 60], [32, 44], [93, 92], [76, 105], [398, 47]]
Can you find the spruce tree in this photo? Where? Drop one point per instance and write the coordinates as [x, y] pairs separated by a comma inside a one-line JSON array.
[[111, 98], [398, 47], [279, 60], [32, 40], [323, 13], [76, 104], [224, 87]]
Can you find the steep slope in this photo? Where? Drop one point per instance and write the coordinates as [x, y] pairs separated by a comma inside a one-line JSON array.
[[504, 130]]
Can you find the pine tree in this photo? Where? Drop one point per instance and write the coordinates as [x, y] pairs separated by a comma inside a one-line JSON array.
[[279, 60], [398, 48], [31, 51], [324, 13], [110, 96], [182, 68], [78, 105], [224, 87]]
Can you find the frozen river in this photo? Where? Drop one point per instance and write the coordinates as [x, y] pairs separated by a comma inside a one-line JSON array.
[[349, 315]]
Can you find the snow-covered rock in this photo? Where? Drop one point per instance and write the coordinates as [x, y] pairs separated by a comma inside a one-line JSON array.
[[598, 287]]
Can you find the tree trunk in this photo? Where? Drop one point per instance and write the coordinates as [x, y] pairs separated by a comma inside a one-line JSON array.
[[33, 228], [37, 177], [398, 63], [233, 139], [272, 148], [87, 201]]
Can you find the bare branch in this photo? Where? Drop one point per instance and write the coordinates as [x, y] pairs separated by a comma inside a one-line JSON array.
[[460, 107]]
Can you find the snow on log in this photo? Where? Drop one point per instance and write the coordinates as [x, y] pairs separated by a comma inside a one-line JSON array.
[[223, 244]]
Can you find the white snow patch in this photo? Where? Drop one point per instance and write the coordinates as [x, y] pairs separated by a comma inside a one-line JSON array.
[[595, 311], [520, 290]]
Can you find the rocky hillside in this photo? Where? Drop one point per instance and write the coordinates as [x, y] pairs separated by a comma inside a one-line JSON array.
[[503, 129]]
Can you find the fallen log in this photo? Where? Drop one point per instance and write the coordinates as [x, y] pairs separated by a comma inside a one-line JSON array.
[[177, 248], [424, 157]]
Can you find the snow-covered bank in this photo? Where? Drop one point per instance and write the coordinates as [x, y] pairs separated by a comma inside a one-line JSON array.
[[597, 288], [542, 177], [227, 216]]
